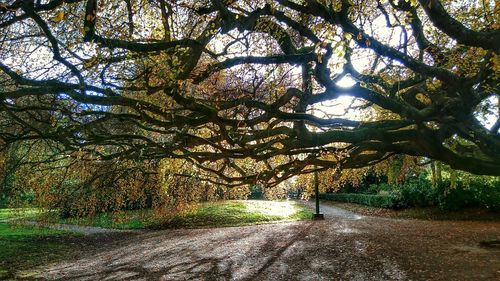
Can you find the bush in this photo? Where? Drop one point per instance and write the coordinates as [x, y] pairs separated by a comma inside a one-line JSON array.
[[380, 201], [418, 192], [415, 192], [466, 191], [471, 193], [256, 192]]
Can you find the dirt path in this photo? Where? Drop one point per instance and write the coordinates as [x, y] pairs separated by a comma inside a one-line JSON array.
[[345, 246], [332, 212]]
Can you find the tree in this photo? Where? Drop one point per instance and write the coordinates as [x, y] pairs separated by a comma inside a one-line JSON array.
[[230, 86]]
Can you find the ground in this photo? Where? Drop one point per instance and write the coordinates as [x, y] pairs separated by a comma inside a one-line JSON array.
[[345, 246]]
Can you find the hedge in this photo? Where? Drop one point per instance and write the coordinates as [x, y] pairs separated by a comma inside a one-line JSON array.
[[381, 201]]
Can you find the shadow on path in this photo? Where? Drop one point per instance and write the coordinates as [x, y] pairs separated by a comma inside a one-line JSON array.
[[345, 246]]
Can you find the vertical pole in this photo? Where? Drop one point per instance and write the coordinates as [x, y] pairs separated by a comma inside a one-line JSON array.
[[316, 190], [317, 215]]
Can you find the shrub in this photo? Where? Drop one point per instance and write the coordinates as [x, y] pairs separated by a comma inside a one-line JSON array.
[[415, 192], [256, 192], [418, 192], [468, 191], [381, 201], [471, 193]]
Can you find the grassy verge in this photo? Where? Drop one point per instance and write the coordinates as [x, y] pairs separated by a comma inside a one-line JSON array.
[[120, 220], [23, 248], [235, 213], [429, 213], [8, 214], [211, 214]]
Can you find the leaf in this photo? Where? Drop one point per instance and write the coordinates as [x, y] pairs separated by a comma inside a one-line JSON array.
[[59, 17]]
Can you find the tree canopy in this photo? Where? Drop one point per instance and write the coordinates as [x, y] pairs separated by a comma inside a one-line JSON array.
[[253, 90]]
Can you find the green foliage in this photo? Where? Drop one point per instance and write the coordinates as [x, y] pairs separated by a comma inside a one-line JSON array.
[[381, 201], [475, 192], [466, 191], [416, 192], [256, 192]]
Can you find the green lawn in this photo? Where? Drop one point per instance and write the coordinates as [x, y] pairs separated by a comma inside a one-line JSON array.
[[18, 213], [121, 220], [234, 213], [211, 214], [23, 248]]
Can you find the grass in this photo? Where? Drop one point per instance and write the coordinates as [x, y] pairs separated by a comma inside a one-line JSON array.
[[18, 213], [23, 248], [236, 213], [137, 219], [210, 214]]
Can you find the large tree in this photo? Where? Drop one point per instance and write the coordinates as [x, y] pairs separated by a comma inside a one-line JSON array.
[[239, 88]]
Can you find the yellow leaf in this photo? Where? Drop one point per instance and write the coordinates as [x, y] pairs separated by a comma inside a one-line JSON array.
[[59, 17], [423, 98]]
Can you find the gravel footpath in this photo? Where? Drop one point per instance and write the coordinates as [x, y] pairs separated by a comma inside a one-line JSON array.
[[344, 246]]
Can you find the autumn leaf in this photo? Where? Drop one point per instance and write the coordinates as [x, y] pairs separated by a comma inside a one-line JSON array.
[[59, 17]]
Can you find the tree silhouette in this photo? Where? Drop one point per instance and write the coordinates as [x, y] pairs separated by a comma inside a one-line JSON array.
[[231, 86]]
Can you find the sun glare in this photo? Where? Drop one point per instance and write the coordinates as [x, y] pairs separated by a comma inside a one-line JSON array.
[[271, 208], [346, 82]]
